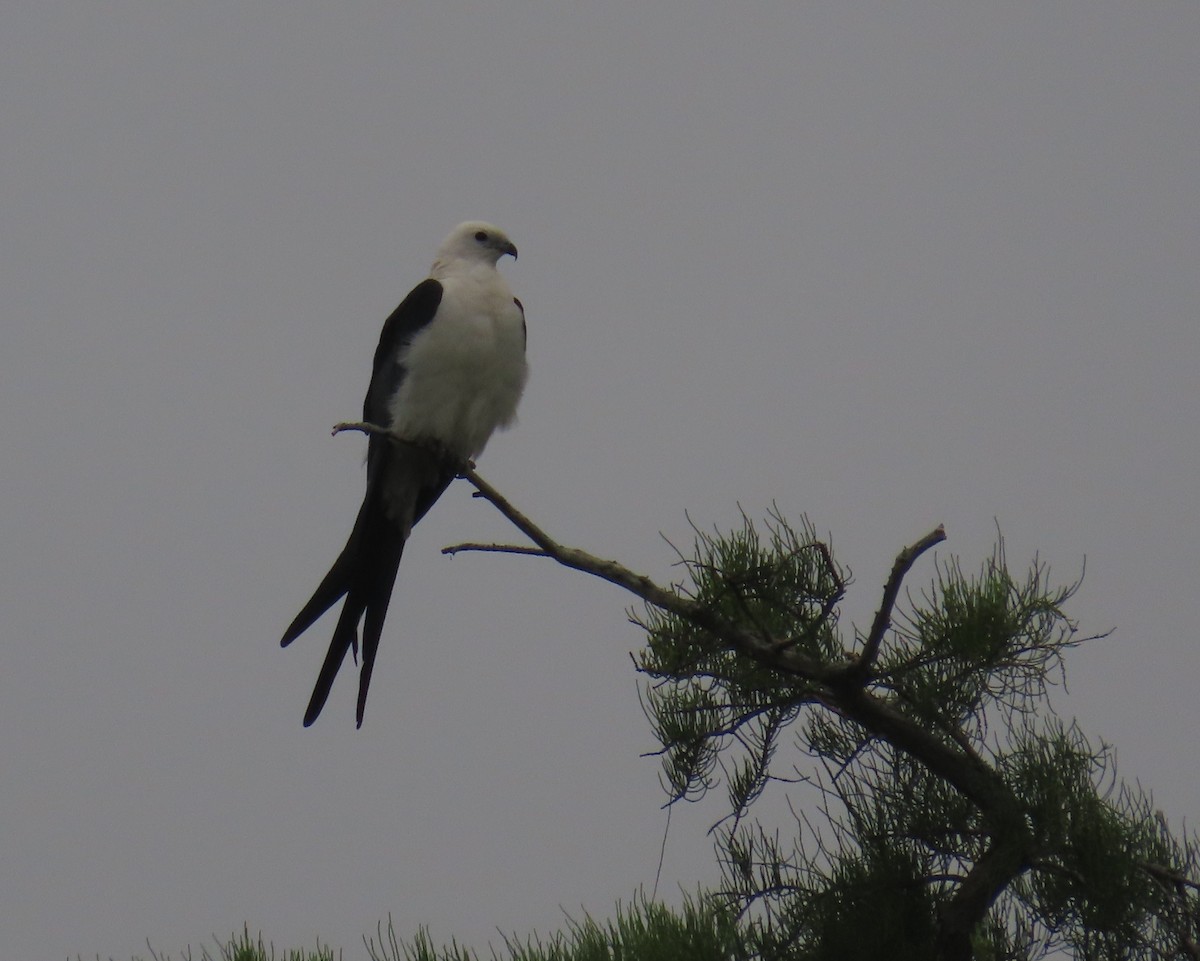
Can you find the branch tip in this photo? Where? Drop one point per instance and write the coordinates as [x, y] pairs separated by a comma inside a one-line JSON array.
[[891, 591]]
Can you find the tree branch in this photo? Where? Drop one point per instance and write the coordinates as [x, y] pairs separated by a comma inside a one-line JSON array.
[[765, 650], [992, 873], [839, 690], [362, 428], [611, 571], [883, 617]]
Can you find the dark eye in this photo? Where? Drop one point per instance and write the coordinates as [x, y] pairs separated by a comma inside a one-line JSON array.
[[481, 235]]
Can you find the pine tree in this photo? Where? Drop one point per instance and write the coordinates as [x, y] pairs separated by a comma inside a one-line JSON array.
[[959, 818]]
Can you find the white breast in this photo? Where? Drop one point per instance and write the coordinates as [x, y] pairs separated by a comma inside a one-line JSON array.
[[464, 372]]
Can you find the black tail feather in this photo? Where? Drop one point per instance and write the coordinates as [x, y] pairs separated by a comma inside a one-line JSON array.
[[332, 587], [365, 571], [366, 581], [345, 637], [376, 611]]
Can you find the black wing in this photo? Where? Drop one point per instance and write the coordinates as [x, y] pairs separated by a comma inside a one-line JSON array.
[[367, 565], [413, 315]]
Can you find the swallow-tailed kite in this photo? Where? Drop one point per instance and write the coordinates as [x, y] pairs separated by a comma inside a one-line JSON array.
[[449, 370]]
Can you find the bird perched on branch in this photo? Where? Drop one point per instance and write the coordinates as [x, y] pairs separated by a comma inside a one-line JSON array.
[[449, 370]]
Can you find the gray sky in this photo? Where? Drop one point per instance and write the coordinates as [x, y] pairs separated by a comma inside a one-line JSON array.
[[887, 264]]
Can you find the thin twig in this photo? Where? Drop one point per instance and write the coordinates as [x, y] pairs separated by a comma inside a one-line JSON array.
[[362, 428]]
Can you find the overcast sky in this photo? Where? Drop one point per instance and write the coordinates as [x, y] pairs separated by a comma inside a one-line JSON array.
[[890, 265]]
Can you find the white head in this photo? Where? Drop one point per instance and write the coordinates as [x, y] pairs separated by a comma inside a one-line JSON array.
[[474, 242]]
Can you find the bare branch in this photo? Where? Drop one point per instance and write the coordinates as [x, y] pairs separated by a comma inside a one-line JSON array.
[[362, 428], [611, 571], [883, 617]]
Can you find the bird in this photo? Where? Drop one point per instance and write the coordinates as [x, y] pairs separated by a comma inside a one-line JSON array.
[[449, 371]]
